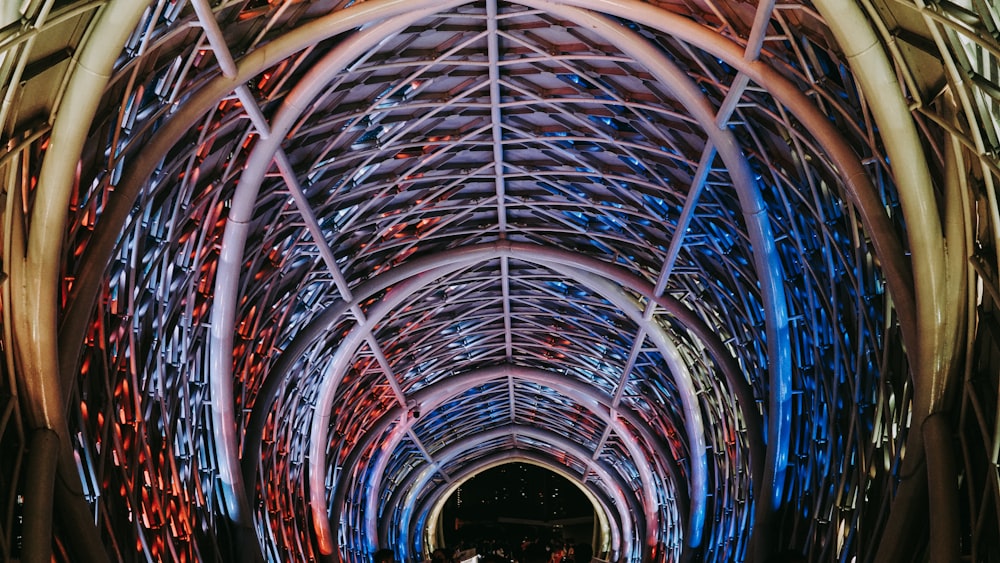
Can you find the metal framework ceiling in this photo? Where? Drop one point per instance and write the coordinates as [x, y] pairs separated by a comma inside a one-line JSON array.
[[279, 275]]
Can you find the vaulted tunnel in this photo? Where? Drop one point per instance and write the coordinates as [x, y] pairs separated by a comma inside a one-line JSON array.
[[278, 276]]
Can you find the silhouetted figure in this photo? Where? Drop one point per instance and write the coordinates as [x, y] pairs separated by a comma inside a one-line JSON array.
[[383, 556], [557, 553], [535, 553], [440, 555]]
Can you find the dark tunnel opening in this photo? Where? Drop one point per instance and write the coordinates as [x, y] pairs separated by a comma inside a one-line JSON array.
[[504, 509]]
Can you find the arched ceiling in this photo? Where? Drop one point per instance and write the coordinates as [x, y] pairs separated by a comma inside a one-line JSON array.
[[294, 269]]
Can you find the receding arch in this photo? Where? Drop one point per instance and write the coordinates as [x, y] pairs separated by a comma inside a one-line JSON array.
[[427, 510], [432, 397], [865, 383], [684, 32], [541, 256], [603, 499], [220, 394]]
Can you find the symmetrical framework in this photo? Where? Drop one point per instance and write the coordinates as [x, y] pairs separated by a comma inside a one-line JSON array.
[[277, 276]]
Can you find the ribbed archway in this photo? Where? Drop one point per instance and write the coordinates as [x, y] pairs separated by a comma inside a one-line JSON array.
[[296, 269]]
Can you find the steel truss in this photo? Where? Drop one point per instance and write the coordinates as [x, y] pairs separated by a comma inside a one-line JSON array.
[[730, 268]]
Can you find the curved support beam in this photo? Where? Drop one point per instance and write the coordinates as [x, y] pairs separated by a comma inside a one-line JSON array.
[[694, 425], [628, 506], [707, 119], [767, 262], [529, 253], [35, 281], [38, 496], [429, 268], [877, 79], [416, 481], [139, 169], [92, 69], [434, 396], [940, 290], [224, 426]]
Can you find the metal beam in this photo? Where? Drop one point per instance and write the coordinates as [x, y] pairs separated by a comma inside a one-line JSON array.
[[432, 397], [237, 229], [426, 506], [550, 258], [35, 276], [940, 291], [610, 539]]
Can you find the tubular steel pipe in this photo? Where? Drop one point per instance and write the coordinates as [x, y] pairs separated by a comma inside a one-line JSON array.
[[698, 489], [229, 474], [599, 404], [91, 71], [40, 475], [938, 297], [37, 273], [627, 511], [942, 492], [766, 262]]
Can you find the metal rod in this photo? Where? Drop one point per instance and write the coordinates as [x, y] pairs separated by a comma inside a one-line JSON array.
[[943, 486], [231, 256], [629, 510], [43, 451]]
